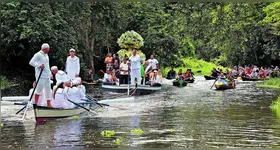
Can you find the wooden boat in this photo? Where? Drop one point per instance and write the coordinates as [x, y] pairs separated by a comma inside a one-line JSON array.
[[43, 114], [141, 89], [209, 77], [190, 80], [253, 79], [178, 84], [100, 81], [170, 78]]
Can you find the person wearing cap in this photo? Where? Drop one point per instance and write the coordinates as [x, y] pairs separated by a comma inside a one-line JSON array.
[[72, 65], [60, 76], [124, 72], [135, 67], [60, 99], [155, 80], [41, 61], [73, 93], [81, 86], [153, 62]]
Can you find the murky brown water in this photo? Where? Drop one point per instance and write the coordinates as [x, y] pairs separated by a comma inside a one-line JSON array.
[[190, 117]]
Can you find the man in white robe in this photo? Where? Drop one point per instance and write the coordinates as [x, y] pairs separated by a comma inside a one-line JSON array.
[[81, 86], [41, 61], [135, 67], [60, 76], [72, 65]]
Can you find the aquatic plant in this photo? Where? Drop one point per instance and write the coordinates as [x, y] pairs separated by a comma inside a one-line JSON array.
[[171, 130], [117, 141], [171, 97], [108, 133], [137, 131], [75, 117], [1, 125]]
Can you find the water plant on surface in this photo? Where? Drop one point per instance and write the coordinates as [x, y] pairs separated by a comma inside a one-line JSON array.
[[108, 133], [75, 117], [117, 141], [137, 131]]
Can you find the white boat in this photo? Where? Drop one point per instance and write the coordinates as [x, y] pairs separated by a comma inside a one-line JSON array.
[[140, 89]]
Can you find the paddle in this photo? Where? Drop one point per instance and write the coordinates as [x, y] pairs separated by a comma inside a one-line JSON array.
[[82, 106], [100, 104], [31, 95], [214, 83]]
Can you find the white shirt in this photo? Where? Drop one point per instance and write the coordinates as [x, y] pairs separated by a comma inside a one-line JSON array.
[[153, 63], [82, 88], [41, 101], [37, 60], [75, 95], [60, 100], [135, 62], [106, 76], [72, 66], [124, 66], [156, 79], [60, 77]]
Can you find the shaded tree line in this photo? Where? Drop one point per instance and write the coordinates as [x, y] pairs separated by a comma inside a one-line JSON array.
[[225, 33]]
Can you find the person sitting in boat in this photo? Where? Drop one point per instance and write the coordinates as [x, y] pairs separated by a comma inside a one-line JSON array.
[[234, 71], [148, 71], [155, 80], [254, 74], [188, 74], [180, 75], [230, 79], [41, 101], [114, 77], [60, 96], [108, 80], [60, 75], [73, 93], [214, 73], [81, 86], [262, 74], [171, 74]]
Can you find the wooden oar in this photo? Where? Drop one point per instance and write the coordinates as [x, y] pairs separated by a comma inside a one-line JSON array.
[[214, 83], [5, 103], [31, 95], [82, 106], [96, 101]]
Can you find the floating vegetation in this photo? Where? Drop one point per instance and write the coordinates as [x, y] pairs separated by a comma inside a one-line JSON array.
[[75, 117], [117, 141], [108, 133], [100, 109], [137, 131], [171, 97], [1, 125], [171, 130]]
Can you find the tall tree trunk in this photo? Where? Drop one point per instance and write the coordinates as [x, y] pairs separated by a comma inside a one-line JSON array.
[[91, 56]]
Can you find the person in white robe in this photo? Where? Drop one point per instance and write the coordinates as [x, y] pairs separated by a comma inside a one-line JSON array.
[[60, 76], [81, 86], [72, 65], [74, 94], [135, 67], [60, 99], [40, 61]]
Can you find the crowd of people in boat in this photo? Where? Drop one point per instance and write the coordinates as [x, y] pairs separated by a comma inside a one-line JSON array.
[[56, 87], [248, 71], [125, 70], [180, 76]]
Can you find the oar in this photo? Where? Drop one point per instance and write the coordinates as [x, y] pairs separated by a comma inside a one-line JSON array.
[[214, 83], [82, 106], [31, 95], [96, 101]]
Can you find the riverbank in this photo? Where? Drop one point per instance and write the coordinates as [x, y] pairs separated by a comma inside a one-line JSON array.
[[271, 83], [198, 66]]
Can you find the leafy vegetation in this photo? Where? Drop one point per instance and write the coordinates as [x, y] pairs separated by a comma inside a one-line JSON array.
[[225, 33], [271, 83]]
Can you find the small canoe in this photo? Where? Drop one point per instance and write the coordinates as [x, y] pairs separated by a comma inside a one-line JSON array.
[[180, 83], [190, 80], [209, 77], [170, 78], [43, 114], [141, 89], [253, 79], [223, 87]]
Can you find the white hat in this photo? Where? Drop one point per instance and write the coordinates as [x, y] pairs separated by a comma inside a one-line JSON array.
[[45, 45], [75, 82], [79, 79], [155, 71], [72, 50], [54, 68]]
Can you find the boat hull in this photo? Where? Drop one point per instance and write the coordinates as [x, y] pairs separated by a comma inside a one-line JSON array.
[[209, 78], [43, 114], [253, 79], [176, 83], [224, 87], [141, 89]]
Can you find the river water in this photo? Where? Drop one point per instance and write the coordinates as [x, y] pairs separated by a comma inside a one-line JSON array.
[[188, 117]]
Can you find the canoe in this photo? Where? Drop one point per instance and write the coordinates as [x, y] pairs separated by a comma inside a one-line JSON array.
[[253, 79], [209, 77], [190, 80], [141, 89], [177, 83], [170, 78], [43, 114], [223, 87]]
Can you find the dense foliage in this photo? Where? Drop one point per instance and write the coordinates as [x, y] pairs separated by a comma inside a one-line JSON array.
[[225, 33]]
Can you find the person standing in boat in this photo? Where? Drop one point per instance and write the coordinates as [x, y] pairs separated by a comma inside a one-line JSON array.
[[124, 72], [41, 61], [153, 62], [72, 65], [135, 67]]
